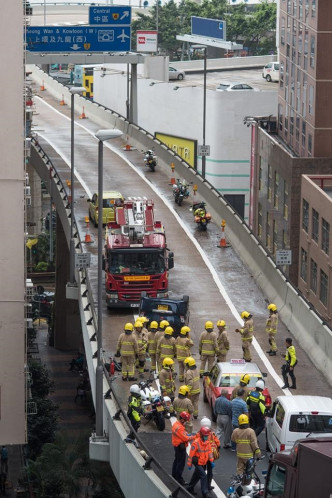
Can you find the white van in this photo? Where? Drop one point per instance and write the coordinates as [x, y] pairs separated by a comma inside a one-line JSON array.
[[271, 71], [297, 417]]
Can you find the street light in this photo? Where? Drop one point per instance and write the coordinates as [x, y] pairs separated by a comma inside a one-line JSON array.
[[101, 135], [74, 90], [204, 47]]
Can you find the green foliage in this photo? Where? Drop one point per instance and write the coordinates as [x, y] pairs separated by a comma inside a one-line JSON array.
[[41, 266], [41, 427], [41, 382]]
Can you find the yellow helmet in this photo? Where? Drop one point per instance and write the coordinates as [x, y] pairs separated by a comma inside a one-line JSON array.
[[153, 325], [143, 319], [190, 361], [129, 326], [272, 307], [163, 324], [184, 330], [208, 325], [243, 419], [169, 331], [168, 362], [245, 314], [183, 390], [138, 324], [221, 323], [245, 379]]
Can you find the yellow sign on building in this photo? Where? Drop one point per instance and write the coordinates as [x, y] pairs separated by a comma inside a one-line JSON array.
[[184, 147]]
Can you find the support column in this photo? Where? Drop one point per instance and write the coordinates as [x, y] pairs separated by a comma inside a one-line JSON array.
[[133, 95]]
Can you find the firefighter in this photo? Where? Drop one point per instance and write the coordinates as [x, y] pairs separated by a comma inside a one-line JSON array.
[[271, 329], [247, 332], [200, 454], [244, 381], [256, 408], [134, 409], [166, 380], [246, 443], [127, 348], [142, 342], [166, 346], [215, 445], [208, 348], [183, 404], [183, 344], [222, 340], [152, 344], [288, 367], [191, 379], [180, 440]]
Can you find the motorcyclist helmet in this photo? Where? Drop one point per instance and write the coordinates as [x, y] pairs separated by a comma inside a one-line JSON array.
[[221, 323], [163, 324], [243, 419], [169, 330], [153, 325], [168, 362], [260, 384], [129, 327], [185, 330], [245, 379], [184, 390], [134, 389], [184, 416], [205, 422]]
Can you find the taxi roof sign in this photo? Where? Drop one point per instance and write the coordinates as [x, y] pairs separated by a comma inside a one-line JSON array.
[[238, 361]]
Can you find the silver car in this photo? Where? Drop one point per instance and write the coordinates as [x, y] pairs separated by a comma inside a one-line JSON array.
[[225, 86], [176, 74]]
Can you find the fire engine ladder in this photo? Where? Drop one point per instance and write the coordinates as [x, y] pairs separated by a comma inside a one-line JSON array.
[[136, 218]]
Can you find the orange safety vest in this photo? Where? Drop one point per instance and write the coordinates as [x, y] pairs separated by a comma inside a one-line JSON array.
[[202, 450], [179, 434]]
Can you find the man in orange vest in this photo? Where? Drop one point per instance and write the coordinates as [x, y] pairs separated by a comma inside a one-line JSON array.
[[180, 440], [200, 454]]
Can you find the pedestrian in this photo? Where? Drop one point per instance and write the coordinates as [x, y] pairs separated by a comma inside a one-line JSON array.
[[134, 409], [127, 348], [222, 340], [183, 344], [152, 344], [288, 367], [191, 379], [166, 378], [77, 363], [243, 385], [239, 407], [166, 346], [256, 408], [247, 332], [272, 328], [223, 412], [215, 445], [81, 393], [142, 342], [208, 348], [200, 453], [4, 460], [246, 443], [180, 440], [183, 404]]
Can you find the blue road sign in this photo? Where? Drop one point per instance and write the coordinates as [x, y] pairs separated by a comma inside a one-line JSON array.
[[78, 39], [110, 15], [213, 28]]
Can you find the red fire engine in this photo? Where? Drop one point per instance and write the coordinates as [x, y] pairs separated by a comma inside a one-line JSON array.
[[136, 257]]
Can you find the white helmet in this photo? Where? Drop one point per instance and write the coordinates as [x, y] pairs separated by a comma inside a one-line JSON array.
[[134, 389], [260, 384], [205, 422]]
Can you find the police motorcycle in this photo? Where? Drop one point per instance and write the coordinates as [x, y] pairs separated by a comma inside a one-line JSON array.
[[247, 485], [201, 217], [180, 191], [155, 406], [150, 159]]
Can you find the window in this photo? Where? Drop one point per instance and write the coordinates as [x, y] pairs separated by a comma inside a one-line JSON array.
[[313, 276], [315, 225], [313, 8], [305, 215], [306, 38], [275, 236], [294, 8], [300, 9], [281, 75], [306, 8], [309, 144], [310, 423], [297, 130], [260, 220], [311, 99], [299, 45], [276, 482], [303, 132], [284, 239], [304, 260], [324, 282], [325, 236], [285, 207], [276, 190], [280, 113], [282, 32], [291, 122], [260, 174], [289, 7], [268, 238], [312, 51], [280, 415], [269, 183], [304, 96]]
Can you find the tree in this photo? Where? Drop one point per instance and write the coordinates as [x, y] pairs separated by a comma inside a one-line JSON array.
[[41, 427], [41, 382]]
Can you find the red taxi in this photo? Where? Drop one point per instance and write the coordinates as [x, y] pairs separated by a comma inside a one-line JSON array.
[[227, 375]]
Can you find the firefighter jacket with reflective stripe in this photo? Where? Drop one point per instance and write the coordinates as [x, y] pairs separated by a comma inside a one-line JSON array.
[[183, 345], [142, 341], [127, 345], [179, 434], [290, 356], [223, 342], [246, 392], [256, 402], [202, 450], [192, 380], [166, 347], [134, 407], [246, 443], [152, 344], [208, 344], [183, 405], [272, 323], [247, 330], [159, 335], [167, 384]]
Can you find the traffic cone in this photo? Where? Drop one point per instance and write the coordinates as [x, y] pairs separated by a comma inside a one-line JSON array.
[[222, 242], [62, 101], [173, 182], [128, 147], [87, 238], [42, 87], [83, 116]]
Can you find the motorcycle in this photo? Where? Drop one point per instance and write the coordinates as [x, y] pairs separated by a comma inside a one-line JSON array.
[[150, 159], [180, 191], [155, 407], [247, 485], [201, 216]]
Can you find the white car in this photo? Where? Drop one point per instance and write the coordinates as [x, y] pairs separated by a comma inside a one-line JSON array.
[[235, 86], [176, 74], [271, 71]]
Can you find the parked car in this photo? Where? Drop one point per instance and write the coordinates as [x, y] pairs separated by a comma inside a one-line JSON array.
[[176, 74], [271, 71], [42, 303], [175, 311], [226, 86], [110, 200], [226, 375]]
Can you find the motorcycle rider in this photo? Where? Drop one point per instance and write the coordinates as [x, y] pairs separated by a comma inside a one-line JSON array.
[[247, 332], [272, 328], [183, 344], [183, 404], [191, 379], [166, 379], [127, 348], [244, 381], [208, 348], [215, 445], [246, 443], [288, 367], [166, 346], [180, 440], [142, 343], [200, 453], [134, 409], [152, 344], [222, 340], [256, 407]]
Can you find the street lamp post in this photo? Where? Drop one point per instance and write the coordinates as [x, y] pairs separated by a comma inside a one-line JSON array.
[[101, 135], [204, 109]]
